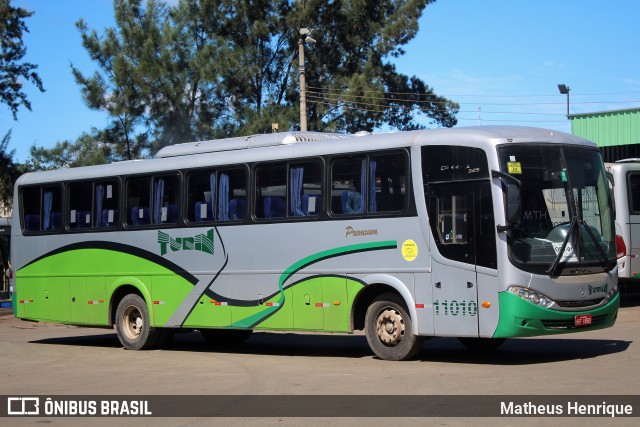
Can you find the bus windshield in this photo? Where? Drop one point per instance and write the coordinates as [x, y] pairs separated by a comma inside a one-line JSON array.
[[566, 213]]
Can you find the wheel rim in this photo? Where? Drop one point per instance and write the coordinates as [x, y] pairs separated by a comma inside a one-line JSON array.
[[132, 322], [390, 326]]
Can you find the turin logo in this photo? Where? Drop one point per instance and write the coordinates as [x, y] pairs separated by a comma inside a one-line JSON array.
[[200, 242]]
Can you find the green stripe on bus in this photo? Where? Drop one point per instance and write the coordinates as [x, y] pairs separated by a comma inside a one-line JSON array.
[[253, 320]]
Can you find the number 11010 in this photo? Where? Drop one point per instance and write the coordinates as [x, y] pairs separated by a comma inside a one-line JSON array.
[[455, 308]]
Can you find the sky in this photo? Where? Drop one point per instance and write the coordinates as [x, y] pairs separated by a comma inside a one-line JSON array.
[[501, 60]]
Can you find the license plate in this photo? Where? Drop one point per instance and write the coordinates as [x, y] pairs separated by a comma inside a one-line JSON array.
[[583, 320]]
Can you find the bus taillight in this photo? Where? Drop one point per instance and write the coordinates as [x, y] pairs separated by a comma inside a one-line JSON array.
[[621, 248]]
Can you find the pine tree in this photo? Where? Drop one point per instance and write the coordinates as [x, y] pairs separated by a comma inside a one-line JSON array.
[[12, 71], [213, 68]]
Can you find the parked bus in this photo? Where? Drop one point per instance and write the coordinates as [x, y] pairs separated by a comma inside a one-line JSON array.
[[481, 233], [5, 238], [626, 174]]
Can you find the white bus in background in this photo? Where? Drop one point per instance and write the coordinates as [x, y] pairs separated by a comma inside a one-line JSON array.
[[626, 174], [5, 238], [480, 233]]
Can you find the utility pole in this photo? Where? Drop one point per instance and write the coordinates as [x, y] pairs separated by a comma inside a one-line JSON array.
[[304, 37]]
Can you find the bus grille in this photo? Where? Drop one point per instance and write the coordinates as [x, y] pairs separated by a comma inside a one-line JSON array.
[[570, 323], [581, 303]]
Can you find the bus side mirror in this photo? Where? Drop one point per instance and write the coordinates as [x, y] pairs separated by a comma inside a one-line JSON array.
[[512, 208], [511, 188]]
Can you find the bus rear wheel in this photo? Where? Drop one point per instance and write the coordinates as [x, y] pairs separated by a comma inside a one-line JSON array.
[[389, 329], [133, 325]]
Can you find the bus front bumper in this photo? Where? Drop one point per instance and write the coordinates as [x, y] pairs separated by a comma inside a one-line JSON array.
[[521, 318]]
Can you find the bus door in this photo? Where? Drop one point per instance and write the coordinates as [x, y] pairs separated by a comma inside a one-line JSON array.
[[5, 233], [455, 295], [460, 208]]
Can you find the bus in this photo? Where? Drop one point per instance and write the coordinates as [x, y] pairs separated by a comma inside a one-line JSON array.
[[626, 175], [5, 238], [479, 233]]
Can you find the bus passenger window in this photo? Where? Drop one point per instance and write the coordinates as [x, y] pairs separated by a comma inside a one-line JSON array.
[[217, 196], [348, 185], [139, 200], [305, 189], [232, 195], [387, 182], [80, 214], [106, 203], [271, 187], [634, 193], [200, 202], [51, 208], [166, 199], [31, 200]]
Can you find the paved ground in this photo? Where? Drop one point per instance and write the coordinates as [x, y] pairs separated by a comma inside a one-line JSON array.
[[50, 359]]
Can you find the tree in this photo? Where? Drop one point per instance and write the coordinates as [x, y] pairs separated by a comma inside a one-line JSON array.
[[117, 88], [12, 74], [10, 171], [213, 68], [356, 87], [86, 150], [12, 71]]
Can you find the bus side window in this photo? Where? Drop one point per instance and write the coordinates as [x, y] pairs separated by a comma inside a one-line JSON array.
[[349, 185], [305, 189], [31, 203], [166, 199], [52, 208], [201, 190], [634, 193], [376, 183], [217, 195], [271, 187], [232, 195], [106, 203], [80, 214], [387, 183], [139, 201]]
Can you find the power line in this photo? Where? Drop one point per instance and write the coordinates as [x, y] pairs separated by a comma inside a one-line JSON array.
[[346, 97], [378, 101], [342, 90], [330, 100], [362, 107]]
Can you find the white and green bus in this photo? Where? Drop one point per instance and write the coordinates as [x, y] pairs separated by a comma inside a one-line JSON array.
[[481, 233]]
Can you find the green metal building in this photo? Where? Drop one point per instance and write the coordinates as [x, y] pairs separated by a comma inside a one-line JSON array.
[[616, 132]]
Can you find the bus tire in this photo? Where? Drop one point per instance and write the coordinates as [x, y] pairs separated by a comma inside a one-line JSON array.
[[225, 336], [482, 344], [132, 324], [389, 329]]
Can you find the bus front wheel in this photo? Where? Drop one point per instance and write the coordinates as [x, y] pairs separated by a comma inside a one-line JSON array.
[[389, 329], [133, 325]]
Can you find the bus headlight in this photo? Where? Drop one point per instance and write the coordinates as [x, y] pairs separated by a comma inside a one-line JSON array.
[[532, 296]]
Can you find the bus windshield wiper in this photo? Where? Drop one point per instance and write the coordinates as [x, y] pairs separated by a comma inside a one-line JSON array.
[[555, 266], [606, 263]]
